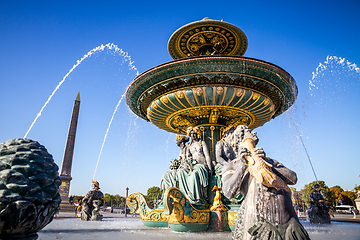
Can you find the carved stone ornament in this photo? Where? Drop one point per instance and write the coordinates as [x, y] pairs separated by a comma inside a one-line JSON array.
[[29, 183]]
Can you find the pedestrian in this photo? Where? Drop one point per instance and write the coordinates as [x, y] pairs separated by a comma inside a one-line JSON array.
[[354, 213], [76, 208]]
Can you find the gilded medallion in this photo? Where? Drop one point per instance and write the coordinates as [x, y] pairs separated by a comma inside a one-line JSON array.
[[207, 37]]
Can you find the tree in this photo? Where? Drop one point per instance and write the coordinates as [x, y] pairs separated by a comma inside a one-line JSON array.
[[337, 190], [331, 199], [114, 200], [153, 194], [107, 198], [328, 196], [348, 197]]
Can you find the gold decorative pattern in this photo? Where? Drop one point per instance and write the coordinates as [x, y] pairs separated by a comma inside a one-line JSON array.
[[240, 91], [204, 37], [174, 122], [64, 188], [187, 99], [174, 104], [137, 202], [235, 105], [175, 203], [197, 112], [230, 113], [199, 91], [205, 96], [217, 203], [214, 115], [164, 99], [202, 129], [184, 122], [267, 101], [180, 94], [219, 90], [232, 217], [241, 96], [154, 105], [256, 96], [238, 121]]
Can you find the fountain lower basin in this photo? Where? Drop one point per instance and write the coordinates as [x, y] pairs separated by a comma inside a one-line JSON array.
[[133, 228]]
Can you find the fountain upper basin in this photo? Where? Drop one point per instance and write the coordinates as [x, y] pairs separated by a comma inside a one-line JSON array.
[[240, 89]]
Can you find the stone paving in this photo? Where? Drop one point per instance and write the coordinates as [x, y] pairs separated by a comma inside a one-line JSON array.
[[115, 226]]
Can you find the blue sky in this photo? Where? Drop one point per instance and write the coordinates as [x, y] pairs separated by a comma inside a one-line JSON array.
[[42, 40]]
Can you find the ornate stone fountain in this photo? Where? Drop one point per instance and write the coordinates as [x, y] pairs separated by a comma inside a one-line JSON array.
[[211, 86]]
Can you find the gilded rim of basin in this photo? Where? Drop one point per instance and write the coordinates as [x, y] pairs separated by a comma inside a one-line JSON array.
[[245, 73]]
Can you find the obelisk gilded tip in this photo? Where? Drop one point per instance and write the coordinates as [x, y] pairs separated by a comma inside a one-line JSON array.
[[78, 97]]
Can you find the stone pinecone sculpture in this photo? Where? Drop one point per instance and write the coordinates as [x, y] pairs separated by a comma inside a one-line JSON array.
[[29, 188]]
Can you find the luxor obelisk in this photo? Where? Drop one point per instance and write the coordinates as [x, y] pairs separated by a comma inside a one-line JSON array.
[[65, 174]]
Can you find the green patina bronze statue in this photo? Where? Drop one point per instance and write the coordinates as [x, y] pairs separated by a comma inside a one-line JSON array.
[[170, 178], [192, 174]]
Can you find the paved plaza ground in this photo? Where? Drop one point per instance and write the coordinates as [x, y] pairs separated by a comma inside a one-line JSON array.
[[116, 226]]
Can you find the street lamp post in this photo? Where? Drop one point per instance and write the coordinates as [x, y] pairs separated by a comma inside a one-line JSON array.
[[127, 192]]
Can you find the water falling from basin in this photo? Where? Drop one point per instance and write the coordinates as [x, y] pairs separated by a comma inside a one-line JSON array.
[[107, 131]]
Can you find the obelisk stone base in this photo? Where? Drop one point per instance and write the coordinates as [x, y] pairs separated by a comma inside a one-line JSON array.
[[64, 194]]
